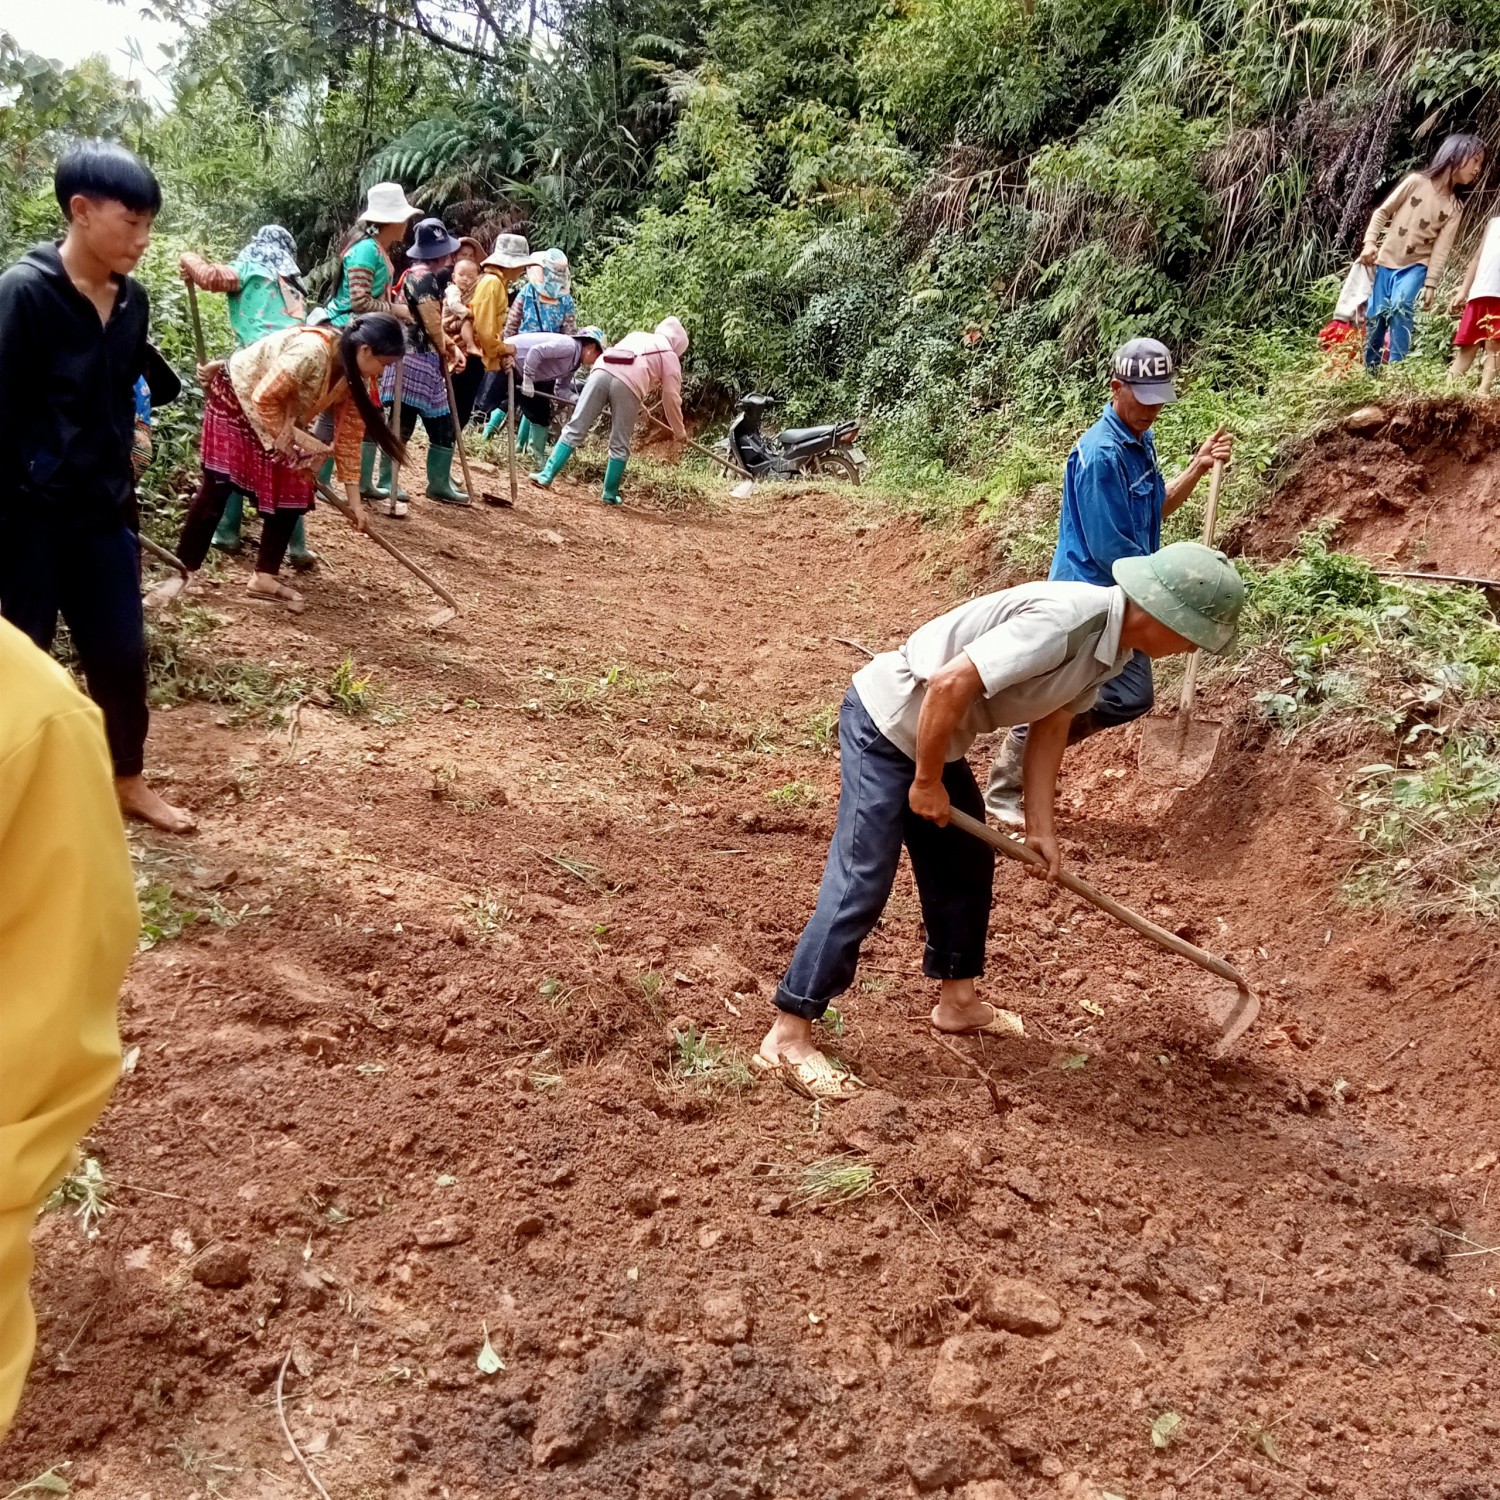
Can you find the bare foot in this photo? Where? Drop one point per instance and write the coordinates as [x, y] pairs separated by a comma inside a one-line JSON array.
[[137, 800], [959, 1008], [790, 1039]]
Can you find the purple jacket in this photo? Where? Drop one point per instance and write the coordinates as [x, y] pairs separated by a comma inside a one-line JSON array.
[[546, 356]]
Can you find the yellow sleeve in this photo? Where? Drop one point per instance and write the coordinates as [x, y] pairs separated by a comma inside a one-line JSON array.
[[68, 927], [489, 303]]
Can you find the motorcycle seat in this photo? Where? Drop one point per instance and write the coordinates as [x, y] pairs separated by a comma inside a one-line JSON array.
[[792, 437]]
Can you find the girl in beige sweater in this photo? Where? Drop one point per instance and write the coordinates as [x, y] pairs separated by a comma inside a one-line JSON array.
[[1408, 241]]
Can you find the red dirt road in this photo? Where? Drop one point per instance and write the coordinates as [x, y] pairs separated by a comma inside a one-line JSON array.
[[431, 1092]]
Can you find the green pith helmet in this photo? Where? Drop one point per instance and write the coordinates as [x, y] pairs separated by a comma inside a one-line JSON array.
[[1190, 588]]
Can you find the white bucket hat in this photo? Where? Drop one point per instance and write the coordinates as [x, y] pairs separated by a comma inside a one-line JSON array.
[[386, 204]]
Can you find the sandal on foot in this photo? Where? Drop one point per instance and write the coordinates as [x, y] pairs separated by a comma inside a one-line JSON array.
[[288, 599], [814, 1078], [1000, 1023]]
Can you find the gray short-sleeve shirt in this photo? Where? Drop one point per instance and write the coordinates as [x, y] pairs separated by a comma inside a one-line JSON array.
[[1037, 648]]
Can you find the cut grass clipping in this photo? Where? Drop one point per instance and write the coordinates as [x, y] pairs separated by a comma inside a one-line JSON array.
[[833, 1180], [86, 1192]]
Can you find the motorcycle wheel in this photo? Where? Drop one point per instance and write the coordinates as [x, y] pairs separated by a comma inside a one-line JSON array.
[[834, 466]]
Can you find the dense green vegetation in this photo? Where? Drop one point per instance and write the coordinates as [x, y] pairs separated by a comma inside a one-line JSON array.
[[832, 192]]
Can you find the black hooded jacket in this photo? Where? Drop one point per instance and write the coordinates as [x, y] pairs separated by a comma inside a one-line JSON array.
[[67, 396]]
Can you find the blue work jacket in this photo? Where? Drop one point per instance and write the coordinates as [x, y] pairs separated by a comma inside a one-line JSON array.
[[1112, 499]]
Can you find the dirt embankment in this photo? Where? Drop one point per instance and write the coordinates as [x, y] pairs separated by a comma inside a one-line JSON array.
[[431, 1091], [1413, 486]]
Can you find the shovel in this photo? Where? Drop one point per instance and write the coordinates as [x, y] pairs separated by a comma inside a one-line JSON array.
[[458, 440], [450, 604], [1233, 1018], [1179, 752]]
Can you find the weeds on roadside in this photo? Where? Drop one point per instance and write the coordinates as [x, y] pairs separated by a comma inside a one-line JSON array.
[[821, 730], [485, 912], [795, 794], [164, 915], [352, 693], [178, 673], [617, 687], [698, 1058], [86, 1191], [1413, 670]]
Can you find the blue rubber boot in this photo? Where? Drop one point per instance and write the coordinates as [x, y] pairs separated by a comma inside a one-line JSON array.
[[523, 433], [493, 422], [536, 440], [614, 472], [227, 536], [553, 467]]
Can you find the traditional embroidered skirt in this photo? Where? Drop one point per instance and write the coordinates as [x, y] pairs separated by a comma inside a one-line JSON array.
[[232, 448], [1481, 321], [422, 385]]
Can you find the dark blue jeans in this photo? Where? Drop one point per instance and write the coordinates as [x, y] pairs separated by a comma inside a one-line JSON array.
[[92, 578], [953, 870], [1120, 700]]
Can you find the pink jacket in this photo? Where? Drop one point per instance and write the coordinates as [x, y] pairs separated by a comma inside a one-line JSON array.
[[645, 360]]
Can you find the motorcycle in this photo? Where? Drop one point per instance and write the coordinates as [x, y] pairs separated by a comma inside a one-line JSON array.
[[826, 452]]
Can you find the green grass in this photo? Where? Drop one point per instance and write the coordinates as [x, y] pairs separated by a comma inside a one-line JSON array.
[[698, 1058], [352, 693], [795, 794], [617, 688], [182, 668], [1412, 672], [167, 913]]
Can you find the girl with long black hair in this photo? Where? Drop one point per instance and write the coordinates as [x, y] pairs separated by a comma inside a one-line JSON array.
[[255, 439], [1408, 240]]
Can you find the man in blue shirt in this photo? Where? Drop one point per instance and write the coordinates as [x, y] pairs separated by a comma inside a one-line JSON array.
[[1113, 501]]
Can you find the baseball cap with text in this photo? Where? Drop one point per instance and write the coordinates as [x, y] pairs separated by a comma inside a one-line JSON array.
[[1145, 365]]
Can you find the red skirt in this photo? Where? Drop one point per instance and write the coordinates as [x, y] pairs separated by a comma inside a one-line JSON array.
[[1481, 321], [232, 448]]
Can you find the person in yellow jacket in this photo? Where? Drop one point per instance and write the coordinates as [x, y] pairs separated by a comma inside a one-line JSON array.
[[68, 926], [503, 268]]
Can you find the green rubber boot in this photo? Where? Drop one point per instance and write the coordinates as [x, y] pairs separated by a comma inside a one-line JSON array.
[[382, 488], [440, 477], [493, 422], [325, 473], [298, 553], [553, 467], [227, 536], [367, 488], [614, 472], [536, 440], [523, 432]]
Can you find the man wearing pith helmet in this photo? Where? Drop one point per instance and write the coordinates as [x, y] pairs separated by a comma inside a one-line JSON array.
[[1040, 654], [1113, 502]]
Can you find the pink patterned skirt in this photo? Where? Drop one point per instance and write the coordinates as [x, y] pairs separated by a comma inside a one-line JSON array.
[[274, 481]]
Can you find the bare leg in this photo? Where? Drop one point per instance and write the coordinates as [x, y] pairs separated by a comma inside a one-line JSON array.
[[1491, 363], [1463, 361], [137, 800]]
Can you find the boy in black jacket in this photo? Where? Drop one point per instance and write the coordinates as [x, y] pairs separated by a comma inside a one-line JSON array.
[[72, 345]]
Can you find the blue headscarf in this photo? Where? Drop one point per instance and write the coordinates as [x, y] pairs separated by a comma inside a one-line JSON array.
[[272, 253]]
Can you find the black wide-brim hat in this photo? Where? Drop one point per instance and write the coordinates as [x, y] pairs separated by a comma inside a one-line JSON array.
[[431, 241]]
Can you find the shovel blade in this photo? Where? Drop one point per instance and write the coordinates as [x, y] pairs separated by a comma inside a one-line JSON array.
[[446, 613], [1170, 756]]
